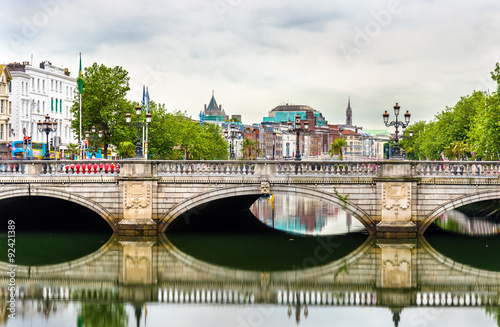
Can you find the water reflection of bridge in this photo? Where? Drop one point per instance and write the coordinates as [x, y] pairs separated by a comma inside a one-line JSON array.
[[387, 273]]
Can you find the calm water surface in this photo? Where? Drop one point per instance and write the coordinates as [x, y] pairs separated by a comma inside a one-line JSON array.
[[317, 268]]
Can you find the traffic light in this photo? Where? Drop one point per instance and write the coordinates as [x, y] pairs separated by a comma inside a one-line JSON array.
[[51, 142], [29, 140], [25, 140]]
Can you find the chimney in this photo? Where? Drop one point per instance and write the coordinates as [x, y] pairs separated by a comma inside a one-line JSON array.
[[205, 107]]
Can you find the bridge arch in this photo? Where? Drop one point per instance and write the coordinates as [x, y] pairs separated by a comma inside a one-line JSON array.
[[456, 203], [240, 190], [51, 193]]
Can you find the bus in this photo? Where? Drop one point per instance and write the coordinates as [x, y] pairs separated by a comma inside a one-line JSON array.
[[21, 152]]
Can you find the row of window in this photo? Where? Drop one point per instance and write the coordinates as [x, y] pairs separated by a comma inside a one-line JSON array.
[[56, 105], [56, 86]]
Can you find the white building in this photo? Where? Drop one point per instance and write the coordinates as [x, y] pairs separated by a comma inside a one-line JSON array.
[[39, 91], [288, 143]]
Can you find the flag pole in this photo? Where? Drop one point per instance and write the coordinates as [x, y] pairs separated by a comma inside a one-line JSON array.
[[80, 87], [146, 148]]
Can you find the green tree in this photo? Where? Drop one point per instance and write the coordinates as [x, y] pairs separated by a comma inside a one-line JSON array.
[[126, 149], [175, 136], [470, 126], [103, 103], [249, 147], [457, 149], [494, 312], [72, 150], [336, 147], [485, 132], [103, 314]]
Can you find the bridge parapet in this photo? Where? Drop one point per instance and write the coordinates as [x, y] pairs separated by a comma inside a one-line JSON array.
[[265, 169]]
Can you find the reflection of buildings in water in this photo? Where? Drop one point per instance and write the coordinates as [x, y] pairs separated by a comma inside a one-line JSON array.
[[298, 311], [299, 214], [456, 221]]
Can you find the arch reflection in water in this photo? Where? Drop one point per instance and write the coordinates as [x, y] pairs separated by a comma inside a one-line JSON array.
[[304, 215], [459, 222]]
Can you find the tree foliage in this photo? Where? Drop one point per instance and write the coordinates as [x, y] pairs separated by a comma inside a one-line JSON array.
[[175, 136], [468, 130], [103, 103], [250, 148], [336, 147]]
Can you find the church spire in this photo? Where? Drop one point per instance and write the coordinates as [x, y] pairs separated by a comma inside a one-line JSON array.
[[348, 113]]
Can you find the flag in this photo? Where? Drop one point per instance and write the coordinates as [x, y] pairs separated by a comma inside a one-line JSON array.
[[79, 80], [147, 99], [143, 98], [202, 118]]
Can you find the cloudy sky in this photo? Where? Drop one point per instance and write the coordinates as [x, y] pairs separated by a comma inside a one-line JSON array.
[[258, 54]]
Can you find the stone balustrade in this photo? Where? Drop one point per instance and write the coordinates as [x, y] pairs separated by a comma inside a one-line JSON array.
[[256, 168]]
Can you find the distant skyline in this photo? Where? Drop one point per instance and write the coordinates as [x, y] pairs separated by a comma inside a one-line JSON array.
[[258, 54]]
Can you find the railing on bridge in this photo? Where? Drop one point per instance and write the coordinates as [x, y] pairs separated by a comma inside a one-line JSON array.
[[59, 167], [254, 168]]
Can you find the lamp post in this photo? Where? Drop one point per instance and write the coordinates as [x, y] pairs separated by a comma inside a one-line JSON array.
[[93, 137], [47, 126], [139, 124], [297, 129], [396, 123], [232, 133]]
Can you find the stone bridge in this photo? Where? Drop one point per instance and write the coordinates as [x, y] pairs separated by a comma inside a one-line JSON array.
[[381, 272], [399, 198]]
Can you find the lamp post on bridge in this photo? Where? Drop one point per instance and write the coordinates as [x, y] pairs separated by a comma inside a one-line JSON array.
[[397, 123], [47, 126], [296, 128], [93, 137], [139, 124]]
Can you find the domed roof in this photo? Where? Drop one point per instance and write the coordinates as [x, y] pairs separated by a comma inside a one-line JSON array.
[[293, 107]]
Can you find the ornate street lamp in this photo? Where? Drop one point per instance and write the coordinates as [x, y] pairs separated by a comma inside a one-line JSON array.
[[47, 126], [91, 135], [139, 124], [297, 129], [396, 123]]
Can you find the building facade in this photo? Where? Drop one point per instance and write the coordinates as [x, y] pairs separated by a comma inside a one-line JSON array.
[[6, 132], [40, 91]]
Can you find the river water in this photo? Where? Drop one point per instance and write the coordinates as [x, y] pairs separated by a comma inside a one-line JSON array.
[[309, 263]]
